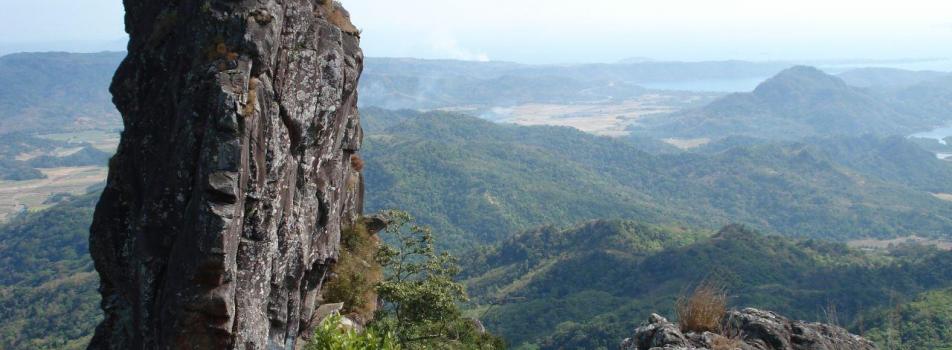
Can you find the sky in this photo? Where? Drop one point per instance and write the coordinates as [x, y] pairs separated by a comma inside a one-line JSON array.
[[565, 31]]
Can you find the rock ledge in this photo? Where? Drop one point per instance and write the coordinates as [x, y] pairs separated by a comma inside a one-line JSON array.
[[748, 329]]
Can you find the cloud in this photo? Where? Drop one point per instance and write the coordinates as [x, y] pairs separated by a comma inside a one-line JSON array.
[[444, 44]]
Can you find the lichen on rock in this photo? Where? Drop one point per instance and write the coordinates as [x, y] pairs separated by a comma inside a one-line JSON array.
[[226, 197]]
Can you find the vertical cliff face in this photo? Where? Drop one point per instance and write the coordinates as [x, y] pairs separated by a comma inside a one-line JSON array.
[[234, 176]]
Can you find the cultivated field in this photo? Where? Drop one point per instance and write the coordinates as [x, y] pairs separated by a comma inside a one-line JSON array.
[[106, 141], [30, 195], [608, 119]]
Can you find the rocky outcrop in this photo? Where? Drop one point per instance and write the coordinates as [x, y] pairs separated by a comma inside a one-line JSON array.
[[748, 329], [237, 169]]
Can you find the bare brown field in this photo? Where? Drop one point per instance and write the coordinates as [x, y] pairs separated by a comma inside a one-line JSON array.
[[886, 243], [104, 140], [687, 143], [943, 196], [30, 195], [608, 119]]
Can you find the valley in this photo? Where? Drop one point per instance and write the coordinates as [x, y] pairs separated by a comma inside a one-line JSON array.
[[576, 200]]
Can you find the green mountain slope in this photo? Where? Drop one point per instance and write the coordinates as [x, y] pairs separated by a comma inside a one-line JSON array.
[[48, 285], [49, 92], [924, 323], [477, 181], [589, 285], [931, 97]]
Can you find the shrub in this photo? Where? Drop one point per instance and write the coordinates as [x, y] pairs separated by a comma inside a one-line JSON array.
[[329, 335], [703, 310], [356, 163], [356, 273]]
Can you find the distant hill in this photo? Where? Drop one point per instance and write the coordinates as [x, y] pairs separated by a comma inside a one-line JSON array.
[[433, 92], [893, 159], [802, 102], [931, 97], [397, 83], [587, 286], [476, 181], [887, 78], [57, 91], [886, 158]]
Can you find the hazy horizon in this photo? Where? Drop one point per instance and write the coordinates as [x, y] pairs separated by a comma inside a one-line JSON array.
[[557, 31]]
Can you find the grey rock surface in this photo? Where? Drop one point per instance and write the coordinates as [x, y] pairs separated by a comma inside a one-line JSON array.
[[748, 329], [225, 200]]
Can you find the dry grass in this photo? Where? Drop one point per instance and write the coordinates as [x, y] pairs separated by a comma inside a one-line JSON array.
[[220, 51], [252, 100], [335, 13], [725, 343], [356, 163], [703, 310], [355, 273]]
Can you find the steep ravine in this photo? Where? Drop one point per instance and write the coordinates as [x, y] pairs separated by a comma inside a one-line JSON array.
[[233, 178]]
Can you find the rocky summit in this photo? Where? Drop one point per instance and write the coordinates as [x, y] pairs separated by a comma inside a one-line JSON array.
[[747, 329], [237, 169]]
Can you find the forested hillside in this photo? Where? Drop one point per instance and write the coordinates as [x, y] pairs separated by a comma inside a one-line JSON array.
[[586, 286], [477, 181], [48, 285], [57, 91], [922, 323]]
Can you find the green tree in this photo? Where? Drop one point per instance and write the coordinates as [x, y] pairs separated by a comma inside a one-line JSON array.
[[420, 298]]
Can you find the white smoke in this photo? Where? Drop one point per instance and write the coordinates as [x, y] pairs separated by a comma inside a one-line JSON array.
[[444, 44]]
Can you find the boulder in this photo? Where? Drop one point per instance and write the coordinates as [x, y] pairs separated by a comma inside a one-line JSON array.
[[747, 329]]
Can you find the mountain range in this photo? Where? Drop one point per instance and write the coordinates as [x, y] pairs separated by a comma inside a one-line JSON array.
[[803, 102]]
